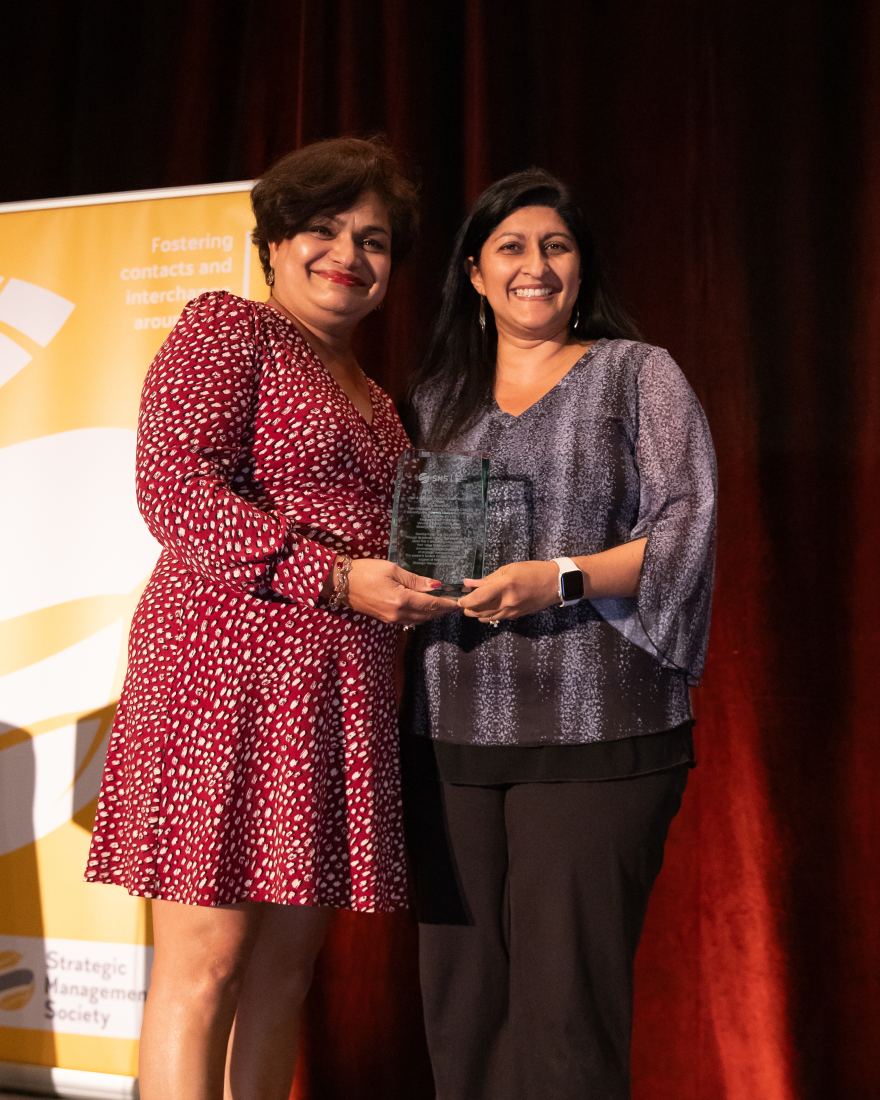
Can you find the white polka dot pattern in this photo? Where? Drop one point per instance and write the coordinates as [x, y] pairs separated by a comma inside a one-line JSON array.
[[253, 755]]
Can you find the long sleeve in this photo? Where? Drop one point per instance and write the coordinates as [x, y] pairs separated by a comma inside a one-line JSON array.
[[677, 499], [197, 404]]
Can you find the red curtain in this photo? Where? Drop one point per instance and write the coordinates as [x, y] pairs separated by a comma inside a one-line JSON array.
[[729, 154]]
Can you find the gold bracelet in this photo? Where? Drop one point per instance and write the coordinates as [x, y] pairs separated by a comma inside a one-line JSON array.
[[340, 591]]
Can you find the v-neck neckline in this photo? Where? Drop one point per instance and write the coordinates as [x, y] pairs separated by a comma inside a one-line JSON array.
[[588, 354], [371, 385]]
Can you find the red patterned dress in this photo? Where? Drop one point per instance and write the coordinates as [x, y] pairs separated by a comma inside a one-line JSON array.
[[254, 751]]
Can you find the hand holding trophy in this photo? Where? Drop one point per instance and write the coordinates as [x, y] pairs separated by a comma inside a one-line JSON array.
[[438, 526]]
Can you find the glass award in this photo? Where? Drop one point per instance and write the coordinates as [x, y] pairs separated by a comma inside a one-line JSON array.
[[438, 526]]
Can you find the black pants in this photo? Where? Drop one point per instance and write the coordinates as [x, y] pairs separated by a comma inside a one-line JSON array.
[[531, 899]]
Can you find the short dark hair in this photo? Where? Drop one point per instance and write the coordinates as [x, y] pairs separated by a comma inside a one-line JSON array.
[[460, 359], [327, 178]]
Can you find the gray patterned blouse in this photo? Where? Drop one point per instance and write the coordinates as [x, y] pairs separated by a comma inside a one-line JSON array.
[[619, 449]]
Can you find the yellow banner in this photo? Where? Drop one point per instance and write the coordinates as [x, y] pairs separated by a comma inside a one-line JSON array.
[[89, 289]]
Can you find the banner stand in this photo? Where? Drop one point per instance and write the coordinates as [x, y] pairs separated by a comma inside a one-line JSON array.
[[89, 289], [73, 1083]]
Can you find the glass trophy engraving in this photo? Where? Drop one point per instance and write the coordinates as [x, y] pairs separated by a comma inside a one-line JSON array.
[[438, 526]]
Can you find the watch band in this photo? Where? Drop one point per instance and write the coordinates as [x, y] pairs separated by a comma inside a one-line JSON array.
[[566, 565]]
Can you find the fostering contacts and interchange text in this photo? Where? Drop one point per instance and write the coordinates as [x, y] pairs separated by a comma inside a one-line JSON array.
[[201, 273]]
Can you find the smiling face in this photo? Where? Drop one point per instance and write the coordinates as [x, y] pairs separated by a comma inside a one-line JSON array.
[[529, 271], [335, 271]]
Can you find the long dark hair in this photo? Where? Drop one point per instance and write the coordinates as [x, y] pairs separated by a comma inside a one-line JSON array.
[[459, 365]]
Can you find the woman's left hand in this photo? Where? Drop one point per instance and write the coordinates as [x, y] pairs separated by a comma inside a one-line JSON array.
[[521, 588]]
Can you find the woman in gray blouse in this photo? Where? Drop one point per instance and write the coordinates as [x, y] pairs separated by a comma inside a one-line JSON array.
[[547, 729]]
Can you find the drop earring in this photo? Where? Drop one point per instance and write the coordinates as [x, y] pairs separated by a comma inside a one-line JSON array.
[[482, 313], [270, 278], [576, 317]]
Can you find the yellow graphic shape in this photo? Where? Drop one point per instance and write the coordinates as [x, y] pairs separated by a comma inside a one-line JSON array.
[[11, 1002], [35, 312], [13, 358], [16, 986], [75, 486], [27, 639], [52, 773]]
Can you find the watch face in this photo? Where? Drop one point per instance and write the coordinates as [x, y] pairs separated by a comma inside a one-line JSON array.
[[571, 585]]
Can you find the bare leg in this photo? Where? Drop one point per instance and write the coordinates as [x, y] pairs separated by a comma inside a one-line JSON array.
[[199, 963], [262, 1051]]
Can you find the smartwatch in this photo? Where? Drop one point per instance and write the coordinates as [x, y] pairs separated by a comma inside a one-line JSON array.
[[571, 582]]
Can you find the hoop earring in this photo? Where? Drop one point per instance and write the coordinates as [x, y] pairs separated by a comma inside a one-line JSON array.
[[482, 313], [270, 278]]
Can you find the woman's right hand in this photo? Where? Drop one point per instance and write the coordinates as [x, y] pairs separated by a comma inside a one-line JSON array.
[[393, 595]]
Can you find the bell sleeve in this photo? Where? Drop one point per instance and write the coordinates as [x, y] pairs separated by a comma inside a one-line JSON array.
[[675, 460], [196, 407]]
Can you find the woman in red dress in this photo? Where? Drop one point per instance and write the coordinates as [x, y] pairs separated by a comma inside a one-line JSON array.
[[251, 783]]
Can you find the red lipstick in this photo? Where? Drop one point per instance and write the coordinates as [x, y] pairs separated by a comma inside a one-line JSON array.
[[344, 278]]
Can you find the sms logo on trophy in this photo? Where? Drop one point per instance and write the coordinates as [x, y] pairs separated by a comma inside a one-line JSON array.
[[16, 983]]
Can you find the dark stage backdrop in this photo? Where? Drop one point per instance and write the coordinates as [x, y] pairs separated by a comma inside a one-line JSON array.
[[729, 153]]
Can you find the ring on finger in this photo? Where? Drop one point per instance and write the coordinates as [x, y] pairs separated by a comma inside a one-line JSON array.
[[410, 627], [495, 622]]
